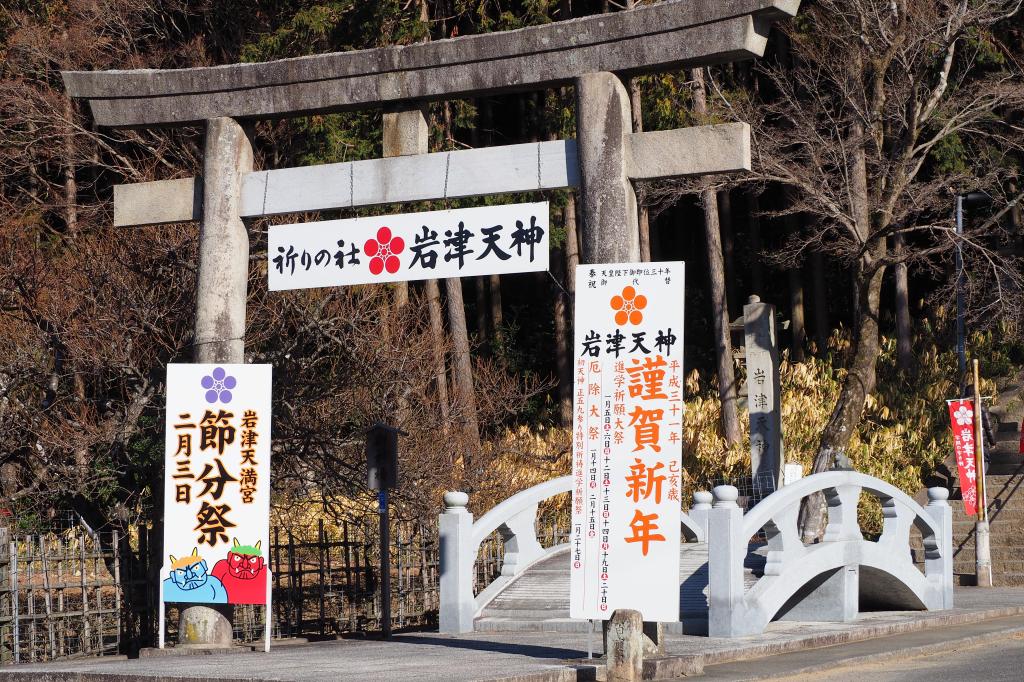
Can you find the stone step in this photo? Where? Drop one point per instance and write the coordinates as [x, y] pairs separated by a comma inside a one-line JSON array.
[[1009, 513], [1012, 517], [966, 554], [998, 567], [995, 539], [498, 624], [558, 613], [998, 579]]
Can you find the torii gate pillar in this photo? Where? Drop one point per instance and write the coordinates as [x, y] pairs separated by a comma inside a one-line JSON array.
[[603, 122], [611, 233], [221, 291]]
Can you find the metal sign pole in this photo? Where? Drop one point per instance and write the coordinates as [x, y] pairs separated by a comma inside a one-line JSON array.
[[14, 601], [267, 610], [982, 547], [160, 616], [385, 563]]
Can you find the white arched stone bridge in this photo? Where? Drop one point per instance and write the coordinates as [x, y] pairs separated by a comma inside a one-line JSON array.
[[737, 571]]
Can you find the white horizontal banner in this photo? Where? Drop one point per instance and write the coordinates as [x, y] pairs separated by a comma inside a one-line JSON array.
[[410, 246]]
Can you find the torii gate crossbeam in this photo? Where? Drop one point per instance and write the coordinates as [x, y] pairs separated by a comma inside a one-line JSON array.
[[673, 34]]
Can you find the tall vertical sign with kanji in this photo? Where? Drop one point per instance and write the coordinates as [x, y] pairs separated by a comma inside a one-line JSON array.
[[627, 440], [217, 484], [961, 418]]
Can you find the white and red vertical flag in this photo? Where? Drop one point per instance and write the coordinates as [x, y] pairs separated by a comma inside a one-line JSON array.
[[961, 417], [627, 440]]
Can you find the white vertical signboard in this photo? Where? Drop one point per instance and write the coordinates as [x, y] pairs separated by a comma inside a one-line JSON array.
[[217, 485], [627, 440]]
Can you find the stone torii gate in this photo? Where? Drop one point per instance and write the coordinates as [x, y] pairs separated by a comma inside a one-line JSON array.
[[602, 162]]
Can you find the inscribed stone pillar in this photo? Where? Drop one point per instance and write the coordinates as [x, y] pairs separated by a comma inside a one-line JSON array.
[[610, 231], [220, 308], [405, 134], [623, 645], [763, 396], [223, 245]]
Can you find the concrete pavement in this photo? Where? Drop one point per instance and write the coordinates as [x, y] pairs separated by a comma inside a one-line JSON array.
[[546, 656]]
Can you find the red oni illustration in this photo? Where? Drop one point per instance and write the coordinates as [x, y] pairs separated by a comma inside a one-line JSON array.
[[244, 574]]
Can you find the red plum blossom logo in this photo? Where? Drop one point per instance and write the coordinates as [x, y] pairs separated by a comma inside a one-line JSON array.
[[218, 385], [628, 306], [963, 415], [383, 251]]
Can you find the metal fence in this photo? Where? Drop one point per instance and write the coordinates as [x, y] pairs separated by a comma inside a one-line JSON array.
[[72, 593], [60, 595], [326, 581], [327, 578]]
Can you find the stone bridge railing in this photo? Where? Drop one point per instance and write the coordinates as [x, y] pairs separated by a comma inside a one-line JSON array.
[[824, 581], [816, 582], [515, 520]]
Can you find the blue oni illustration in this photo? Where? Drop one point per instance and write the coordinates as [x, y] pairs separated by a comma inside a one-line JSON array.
[[190, 581]]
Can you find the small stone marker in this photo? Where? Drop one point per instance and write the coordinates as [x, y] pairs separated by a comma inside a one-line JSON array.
[[792, 473], [763, 396], [624, 646]]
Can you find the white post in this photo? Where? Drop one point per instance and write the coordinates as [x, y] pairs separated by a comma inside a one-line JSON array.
[[457, 606], [726, 551], [701, 511], [938, 563]]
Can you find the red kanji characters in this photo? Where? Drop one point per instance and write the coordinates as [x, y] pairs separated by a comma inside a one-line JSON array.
[[643, 481], [646, 378], [642, 525], [646, 431]]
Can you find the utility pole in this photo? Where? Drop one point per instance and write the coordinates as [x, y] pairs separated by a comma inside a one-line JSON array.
[[962, 200]]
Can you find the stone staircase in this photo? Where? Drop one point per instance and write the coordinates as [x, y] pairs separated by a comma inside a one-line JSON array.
[[1004, 481]]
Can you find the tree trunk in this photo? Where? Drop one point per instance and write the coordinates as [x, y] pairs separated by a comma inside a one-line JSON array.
[[858, 384], [797, 327], [480, 285], [798, 331], [821, 324], [70, 183], [719, 304], [754, 236], [720, 319], [465, 394], [860, 378], [725, 227], [433, 294], [497, 318], [904, 353]]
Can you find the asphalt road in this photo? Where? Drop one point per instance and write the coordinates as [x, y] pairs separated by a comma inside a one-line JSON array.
[[997, 661], [989, 650]]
